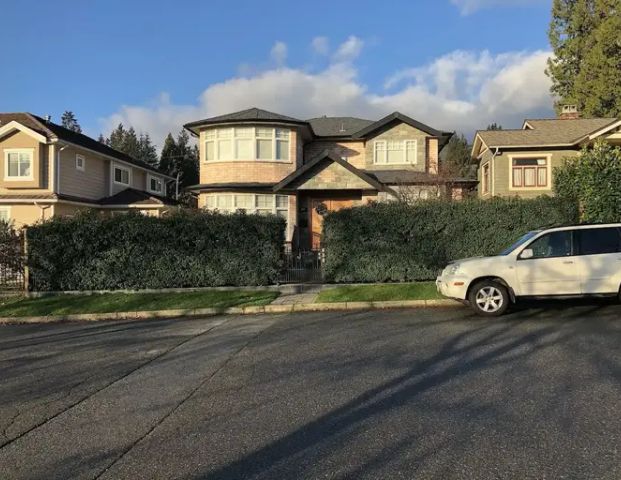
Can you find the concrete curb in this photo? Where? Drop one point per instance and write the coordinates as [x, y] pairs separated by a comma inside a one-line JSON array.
[[253, 310]]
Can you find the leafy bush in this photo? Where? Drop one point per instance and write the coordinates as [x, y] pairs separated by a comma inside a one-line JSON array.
[[594, 180], [395, 242], [133, 251]]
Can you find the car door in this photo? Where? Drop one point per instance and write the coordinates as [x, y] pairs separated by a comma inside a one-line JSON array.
[[599, 260], [553, 267]]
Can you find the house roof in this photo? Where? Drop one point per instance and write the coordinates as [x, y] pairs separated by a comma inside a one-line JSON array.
[[250, 115], [337, 126], [398, 117], [396, 177], [53, 131], [545, 132], [130, 196], [235, 187]]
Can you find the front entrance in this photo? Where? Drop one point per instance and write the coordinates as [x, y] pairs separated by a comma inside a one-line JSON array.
[[319, 206]]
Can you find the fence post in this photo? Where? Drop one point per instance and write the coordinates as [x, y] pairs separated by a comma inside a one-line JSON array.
[[25, 261]]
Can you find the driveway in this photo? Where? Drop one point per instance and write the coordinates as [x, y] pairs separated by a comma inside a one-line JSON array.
[[363, 395]]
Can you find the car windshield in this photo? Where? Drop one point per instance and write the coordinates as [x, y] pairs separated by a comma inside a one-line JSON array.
[[523, 239]]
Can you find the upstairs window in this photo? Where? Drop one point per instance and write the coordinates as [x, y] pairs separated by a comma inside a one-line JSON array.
[[529, 172], [80, 163], [155, 185], [247, 144], [121, 175], [18, 164], [395, 152]]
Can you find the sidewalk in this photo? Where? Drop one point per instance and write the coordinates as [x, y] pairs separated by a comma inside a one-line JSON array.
[[309, 295]]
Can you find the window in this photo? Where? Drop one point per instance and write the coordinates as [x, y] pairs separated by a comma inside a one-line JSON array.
[[121, 175], [529, 172], [247, 144], [395, 152], [599, 241], [155, 184], [485, 178], [250, 202], [552, 245], [18, 164], [80, 163], [5, 214]]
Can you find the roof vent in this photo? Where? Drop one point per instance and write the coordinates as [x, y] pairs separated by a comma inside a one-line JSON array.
[[569, 112], [48, 118], [342, 130]]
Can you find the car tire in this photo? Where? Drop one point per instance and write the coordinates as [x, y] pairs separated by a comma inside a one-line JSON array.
[[489, 298]]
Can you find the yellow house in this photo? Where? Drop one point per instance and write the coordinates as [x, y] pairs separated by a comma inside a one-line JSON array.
[[49, 170], [521, 162]]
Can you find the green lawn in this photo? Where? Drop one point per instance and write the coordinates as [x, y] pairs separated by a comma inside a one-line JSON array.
[[380, 293], [131, 302]]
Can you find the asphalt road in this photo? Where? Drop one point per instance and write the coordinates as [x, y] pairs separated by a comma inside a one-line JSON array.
[[365, 395]]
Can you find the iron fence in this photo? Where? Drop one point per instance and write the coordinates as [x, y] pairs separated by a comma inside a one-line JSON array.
[[11, 261], [302, 266]]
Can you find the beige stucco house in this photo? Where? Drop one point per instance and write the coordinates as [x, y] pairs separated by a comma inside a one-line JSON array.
[[265, 162], [49, 170], [521, 162]]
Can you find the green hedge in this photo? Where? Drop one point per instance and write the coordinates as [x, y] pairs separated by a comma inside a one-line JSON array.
[[133, 251], [395, 242]]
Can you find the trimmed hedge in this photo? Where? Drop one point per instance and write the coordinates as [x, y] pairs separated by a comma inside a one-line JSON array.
[[133, 251], [395, 242]]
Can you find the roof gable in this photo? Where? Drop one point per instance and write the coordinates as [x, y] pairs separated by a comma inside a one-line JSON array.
[[397, 117], [337, 126]]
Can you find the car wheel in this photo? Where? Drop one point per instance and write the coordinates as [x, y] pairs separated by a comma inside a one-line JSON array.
[[489, 298]]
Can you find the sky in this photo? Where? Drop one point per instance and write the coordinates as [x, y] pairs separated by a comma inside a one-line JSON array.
[[455, 65]]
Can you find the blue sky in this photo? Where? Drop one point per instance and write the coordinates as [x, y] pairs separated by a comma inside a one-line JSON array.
[[455, 64]]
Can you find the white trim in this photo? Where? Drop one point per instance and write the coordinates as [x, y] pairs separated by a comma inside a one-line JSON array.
[[404, 143], [489, 178], [8, 213], [601, 131], [137, 206], [25, 201], [19, 151], [129, 175], [83, 158], [15, 125], [548, 158], [159, 179]]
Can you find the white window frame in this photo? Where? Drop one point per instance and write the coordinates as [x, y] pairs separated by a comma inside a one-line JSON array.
[[129, 175], [79, 158], [19, 151], [404, 144], [548, 185], [274, 209], [8, 212], [486, 182], [214, 140], [159, 179]]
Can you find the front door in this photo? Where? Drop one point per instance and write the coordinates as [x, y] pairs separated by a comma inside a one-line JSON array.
[[318, 207]]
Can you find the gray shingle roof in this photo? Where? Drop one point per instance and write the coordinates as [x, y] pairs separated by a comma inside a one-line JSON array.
[[396, 177], [130, 196], [249, 115], [546, 132], [338, 126]]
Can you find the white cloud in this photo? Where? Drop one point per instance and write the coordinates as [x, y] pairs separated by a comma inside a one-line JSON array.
[[320, 45], [468, 7], [279, 53], [349, 50], [461, 91]]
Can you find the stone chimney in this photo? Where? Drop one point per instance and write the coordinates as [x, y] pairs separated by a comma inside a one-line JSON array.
[[569, 112]]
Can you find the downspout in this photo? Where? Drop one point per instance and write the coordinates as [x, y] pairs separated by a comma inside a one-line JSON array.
[[57, 170], [43, 209]]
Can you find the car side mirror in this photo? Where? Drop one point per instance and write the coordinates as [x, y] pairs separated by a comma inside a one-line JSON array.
[[527, 253]]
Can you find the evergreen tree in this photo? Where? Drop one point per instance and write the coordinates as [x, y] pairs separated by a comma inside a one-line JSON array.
[[494, 126], [130, 144], [117, 138], [69, 121], [586, 38], [148, 153], [456, 160], [101, 139], [179, 159], [168, 155]]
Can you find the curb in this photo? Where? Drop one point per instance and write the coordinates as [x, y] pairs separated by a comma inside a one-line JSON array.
[[252, 310]]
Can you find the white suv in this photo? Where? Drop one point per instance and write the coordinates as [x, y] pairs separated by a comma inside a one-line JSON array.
[[567, 261]]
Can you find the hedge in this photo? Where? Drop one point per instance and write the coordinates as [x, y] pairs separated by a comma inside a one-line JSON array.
[[395, 242], [133, 251]]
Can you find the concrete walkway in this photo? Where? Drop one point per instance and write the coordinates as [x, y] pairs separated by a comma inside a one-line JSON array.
[[308, 295]]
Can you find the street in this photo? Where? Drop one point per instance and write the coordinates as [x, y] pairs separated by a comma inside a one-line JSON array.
[[430, 393]]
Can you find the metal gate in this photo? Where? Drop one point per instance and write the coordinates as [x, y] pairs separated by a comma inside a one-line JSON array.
[[302, 266], [11, 261]]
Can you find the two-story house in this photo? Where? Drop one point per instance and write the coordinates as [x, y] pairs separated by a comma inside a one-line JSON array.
[[265, 162], [49, 170], [521, 162]]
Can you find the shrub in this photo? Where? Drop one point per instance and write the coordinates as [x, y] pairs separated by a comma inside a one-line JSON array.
[[594, 180], [394, 242], [133, 251]]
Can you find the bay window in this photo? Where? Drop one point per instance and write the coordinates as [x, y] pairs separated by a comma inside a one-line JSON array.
[[250, 202], [19, 164], [247, 144], [529, 172], [395, 152]]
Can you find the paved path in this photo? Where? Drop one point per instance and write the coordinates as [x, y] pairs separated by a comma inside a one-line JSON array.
[[362, 395]]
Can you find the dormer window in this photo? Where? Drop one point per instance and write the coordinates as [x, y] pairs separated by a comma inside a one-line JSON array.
[[247, 144]]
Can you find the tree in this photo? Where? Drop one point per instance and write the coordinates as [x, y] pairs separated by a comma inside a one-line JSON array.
[[101, 138], [130, 144], [69, 121], [456, 161], [139, 147], [147, 151], [594, 180], [179, 159], [586, 38], [494, 126], [116, 138]]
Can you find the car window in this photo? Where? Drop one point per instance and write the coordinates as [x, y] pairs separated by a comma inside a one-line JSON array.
[[598, 241], [555, 244], [523, 239]]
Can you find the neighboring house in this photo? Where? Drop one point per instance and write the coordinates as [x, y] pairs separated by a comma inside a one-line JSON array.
[[521, 162], [49, 170], [265, 162]]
